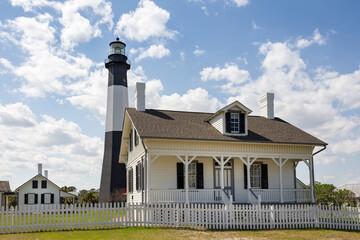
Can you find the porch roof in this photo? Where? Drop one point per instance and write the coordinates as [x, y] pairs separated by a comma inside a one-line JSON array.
[[165, 124]]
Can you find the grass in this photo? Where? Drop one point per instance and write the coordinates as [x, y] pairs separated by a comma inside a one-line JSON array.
[[159, 233]]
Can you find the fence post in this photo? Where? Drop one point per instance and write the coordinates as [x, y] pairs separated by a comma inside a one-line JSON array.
[[259, 200], [272, 217]]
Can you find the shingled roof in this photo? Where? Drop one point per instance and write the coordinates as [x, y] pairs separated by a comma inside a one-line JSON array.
[[5, 186], [193, 126]]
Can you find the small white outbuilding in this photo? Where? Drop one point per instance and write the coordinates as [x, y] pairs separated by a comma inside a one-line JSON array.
[[40, 190]]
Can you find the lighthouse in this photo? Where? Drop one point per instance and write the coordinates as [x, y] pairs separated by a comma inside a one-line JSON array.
[[113, 175]]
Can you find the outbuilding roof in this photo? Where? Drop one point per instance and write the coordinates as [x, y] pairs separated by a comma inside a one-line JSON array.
[[5, 186], [193, 126]]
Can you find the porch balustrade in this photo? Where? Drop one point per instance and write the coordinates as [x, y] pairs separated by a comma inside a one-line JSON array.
[[289, 195], [195, 195]]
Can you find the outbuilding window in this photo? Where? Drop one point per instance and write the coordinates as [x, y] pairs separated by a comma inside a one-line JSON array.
[[47, 198], [30, 198]]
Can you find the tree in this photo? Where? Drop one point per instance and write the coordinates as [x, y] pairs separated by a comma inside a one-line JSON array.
[[327, 194], [90, 197], [68, 189], [119, 195], [324, 193], [12, 201]]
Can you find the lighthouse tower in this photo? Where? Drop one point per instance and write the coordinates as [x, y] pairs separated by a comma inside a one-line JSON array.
[[113, 174]]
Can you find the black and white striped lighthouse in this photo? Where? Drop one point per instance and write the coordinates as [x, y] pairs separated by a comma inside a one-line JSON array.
[[113, 174]]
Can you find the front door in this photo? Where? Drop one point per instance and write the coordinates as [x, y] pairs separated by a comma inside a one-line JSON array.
[[228, 177]]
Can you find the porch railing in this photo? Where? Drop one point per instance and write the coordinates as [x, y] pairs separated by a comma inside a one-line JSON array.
[[195, 195], [289, 195]]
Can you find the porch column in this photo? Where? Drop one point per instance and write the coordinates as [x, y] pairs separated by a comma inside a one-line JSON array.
[[281, 181], [222, 172], [148, 163], [312, 180], [187, 178], [248, 178], [186, 162]]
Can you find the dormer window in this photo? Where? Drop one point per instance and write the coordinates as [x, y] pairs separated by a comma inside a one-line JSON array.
[[234, 122], [231, 120]]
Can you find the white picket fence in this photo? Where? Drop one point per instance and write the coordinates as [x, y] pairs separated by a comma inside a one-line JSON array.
[[194, 216]]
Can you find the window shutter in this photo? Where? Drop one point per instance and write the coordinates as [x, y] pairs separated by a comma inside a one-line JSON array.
[[131, 139], [264, 176], [199, 176], [42, 198], [242, 123], [36, 198], [26, 199], [52, 198], [245, 177], [142, 173], [228, 122], [180, 175]]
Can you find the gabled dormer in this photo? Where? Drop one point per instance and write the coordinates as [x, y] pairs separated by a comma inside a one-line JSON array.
[[231, 120]]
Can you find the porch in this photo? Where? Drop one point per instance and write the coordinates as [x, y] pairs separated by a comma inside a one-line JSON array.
[[220, 196], [224, 178]]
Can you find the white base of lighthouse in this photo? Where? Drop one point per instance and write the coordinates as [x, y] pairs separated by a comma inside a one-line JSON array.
[[117, 101]]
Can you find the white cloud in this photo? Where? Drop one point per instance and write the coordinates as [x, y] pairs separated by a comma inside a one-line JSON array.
[[230, 73], [197, 99], [254, 26], [240, 3], [76, 27], [314, 102], [29, 5], [182, 55], [45, 67], [135, 24], [154, 51], [90, 93], [197, 51], [316, 38], [59, 144]]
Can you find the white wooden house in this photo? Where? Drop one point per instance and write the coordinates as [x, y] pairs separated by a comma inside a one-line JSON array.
[[40, 190], [230, 155]]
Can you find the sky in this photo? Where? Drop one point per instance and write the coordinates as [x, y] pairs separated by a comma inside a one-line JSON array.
[[194, 55]]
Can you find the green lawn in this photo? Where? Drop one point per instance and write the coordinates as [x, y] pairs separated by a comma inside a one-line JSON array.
[[158, 233]]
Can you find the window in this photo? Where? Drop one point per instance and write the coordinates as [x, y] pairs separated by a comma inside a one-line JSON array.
[[43, 184], [138, 177], [196, 175], [136, 138], [30, 198], [234, 122], [255, 175], [192, 175], [130, 180], [34, 184]]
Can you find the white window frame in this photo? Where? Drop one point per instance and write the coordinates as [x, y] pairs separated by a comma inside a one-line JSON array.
[[234, 122], [192, 176], [31, 198], [255, 175], [47, 198]]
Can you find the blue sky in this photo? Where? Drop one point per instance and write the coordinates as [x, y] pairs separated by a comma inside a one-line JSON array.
[[194, 55]]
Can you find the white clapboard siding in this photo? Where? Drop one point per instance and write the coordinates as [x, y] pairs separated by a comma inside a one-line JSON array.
[[42, 218]]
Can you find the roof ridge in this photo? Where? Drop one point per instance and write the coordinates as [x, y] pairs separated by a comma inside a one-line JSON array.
[[166, 110]]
